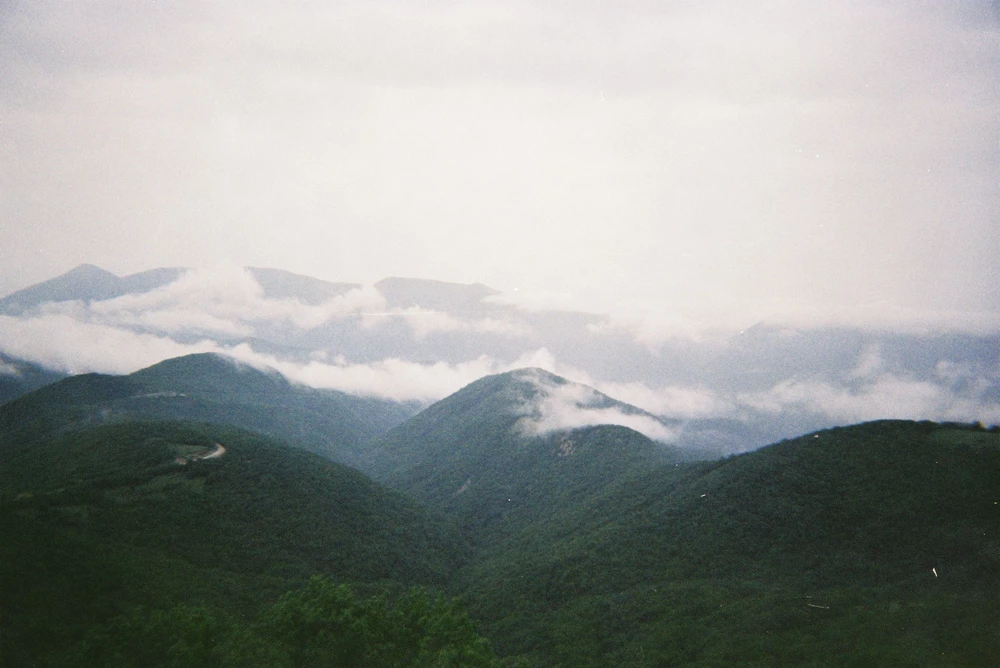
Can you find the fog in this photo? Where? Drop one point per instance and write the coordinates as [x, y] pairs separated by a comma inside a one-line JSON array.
[[683, 166]]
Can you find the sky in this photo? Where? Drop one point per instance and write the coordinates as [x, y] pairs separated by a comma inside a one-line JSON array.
[[714, 159]]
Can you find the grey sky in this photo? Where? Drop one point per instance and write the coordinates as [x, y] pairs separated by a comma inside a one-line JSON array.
[[710, 156]]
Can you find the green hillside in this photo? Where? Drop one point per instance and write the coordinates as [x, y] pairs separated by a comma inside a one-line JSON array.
[[104, 521], [871, 545], [206, 388], [877, 544], [468, 456], [18, 377]]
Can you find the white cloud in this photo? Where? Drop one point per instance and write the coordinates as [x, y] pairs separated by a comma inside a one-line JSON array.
[[883, 396], [673, 321], [7, 369], [886, 317], [389, 378], [58, 341], [670, 401], [869, 363], [425, 321], [61, 341], [572, 406], [223, 299]]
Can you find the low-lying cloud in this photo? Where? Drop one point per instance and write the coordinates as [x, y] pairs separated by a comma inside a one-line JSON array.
[[225, 299], [561, 407], [390, 378], [224, 310], [64, 343], [424, 322], [884, 396], [7, 369]]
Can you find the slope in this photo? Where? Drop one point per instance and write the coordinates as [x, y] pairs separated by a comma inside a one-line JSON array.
[[209, 388], [18, 377], [844, 547], [85, 283], [99, 521], [509, 448]]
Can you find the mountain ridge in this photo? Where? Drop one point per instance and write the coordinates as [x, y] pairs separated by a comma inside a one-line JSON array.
[[471, 456], [206, 387]]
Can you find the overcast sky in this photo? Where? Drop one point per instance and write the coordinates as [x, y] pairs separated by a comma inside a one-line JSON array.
[[716, 156]]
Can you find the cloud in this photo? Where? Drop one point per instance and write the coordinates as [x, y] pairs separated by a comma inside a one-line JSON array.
[[58, 341], [887, 317], [74, 345], [671, 401], [869, 363], [683, 322], [220, 300], [7, 369], [424, 322], [560, 407], [882, 396], [740, 152], [390, 378]]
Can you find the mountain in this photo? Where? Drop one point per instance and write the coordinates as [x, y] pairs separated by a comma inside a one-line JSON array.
[[510, 447], [280, 284], [435, 295], [733, 391], [85, 283], [89, 283], [104, 521], [208, 388], [19, 377], [843, 547]]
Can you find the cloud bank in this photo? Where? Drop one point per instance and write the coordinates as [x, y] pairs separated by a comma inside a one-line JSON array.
[[560, 407], [726, 158], [775, 375]]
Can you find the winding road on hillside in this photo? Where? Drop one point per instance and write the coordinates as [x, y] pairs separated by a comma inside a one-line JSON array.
[[214, 454]]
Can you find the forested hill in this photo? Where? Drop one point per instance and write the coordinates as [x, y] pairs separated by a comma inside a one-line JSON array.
[[106, 521], [207, 388], [877, 544], [573, 539], [486, 456]]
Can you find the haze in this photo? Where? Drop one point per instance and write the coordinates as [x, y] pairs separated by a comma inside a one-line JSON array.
[[711, 160]]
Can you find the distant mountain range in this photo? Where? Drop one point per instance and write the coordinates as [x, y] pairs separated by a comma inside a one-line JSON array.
[[413, 341]]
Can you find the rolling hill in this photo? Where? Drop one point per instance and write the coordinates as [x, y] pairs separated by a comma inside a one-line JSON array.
[[512, 447], [18, 377], [206, 388], [102, 521], [877, 544], [574, 539]]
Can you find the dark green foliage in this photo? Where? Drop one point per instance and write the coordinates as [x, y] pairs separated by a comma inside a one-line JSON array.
[[872, 545], [98, 521], [324, 624], [468, 456], [817, 551], [205, 388]]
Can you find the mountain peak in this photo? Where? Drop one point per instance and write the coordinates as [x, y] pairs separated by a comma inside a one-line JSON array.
[[86, 282], [87, 270], [209, 371], [514, 445]]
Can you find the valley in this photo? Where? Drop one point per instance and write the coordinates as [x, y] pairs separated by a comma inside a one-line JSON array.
[[566, 545]]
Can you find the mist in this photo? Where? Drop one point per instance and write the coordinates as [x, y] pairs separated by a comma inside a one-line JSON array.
[[689, 164]]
